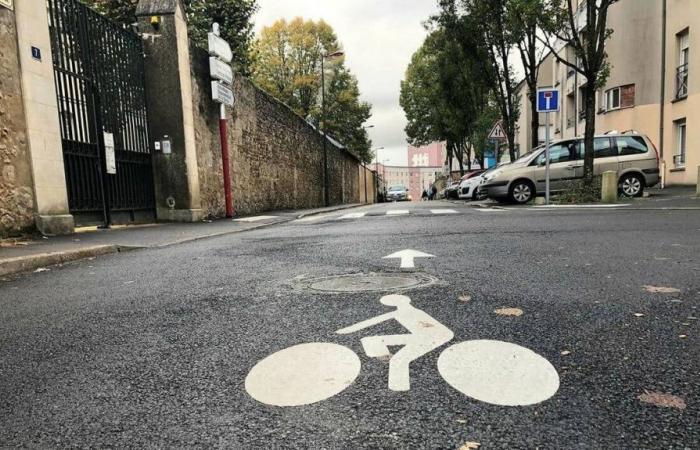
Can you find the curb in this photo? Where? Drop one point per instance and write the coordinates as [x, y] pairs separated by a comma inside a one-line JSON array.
[[28, 263], [332, 209]]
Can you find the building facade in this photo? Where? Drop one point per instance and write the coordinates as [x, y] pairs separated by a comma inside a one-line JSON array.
[[651, 89]]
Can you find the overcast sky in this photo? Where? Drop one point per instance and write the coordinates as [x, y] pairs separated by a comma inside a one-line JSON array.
[[379, 38]]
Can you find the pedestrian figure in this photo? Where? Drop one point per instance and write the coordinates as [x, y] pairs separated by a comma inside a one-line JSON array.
[[424, 197], [433, 191]]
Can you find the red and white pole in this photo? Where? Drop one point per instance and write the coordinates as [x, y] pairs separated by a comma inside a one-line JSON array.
[[225, 161]]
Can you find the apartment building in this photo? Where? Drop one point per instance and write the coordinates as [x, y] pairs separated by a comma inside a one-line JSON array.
[[653, 86]]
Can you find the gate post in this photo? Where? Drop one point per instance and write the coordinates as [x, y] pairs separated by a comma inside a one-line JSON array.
[[41, 113], [170, 109]]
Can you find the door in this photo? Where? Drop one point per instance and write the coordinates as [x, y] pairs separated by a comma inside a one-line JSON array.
[[605, 156], [565, 164]]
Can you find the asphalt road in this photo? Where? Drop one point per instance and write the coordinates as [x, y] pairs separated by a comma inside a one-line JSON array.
[[152, 348]]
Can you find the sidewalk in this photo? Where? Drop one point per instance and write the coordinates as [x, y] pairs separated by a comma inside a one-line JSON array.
[[22, 255]]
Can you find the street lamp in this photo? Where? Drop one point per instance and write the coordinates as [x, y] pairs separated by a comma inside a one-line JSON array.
[[326, 182]]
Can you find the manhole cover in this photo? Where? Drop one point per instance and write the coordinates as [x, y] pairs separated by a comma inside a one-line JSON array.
[[367, 282]]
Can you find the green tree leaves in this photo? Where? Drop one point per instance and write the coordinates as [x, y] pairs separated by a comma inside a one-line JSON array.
[[287, 60]]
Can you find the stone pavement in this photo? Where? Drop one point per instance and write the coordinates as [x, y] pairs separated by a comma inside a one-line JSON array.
[[20, 255]]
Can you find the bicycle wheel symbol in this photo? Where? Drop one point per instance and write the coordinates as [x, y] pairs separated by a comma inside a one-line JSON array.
[[500, 373]]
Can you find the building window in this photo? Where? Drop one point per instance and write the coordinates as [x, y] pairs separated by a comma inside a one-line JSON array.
[[682, 70], [620, 97], [681, 136]]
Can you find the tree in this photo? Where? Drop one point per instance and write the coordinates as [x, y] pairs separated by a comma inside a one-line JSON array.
[[587, 38], [490, 18], [234, 17], [524, 20], [287, 63]]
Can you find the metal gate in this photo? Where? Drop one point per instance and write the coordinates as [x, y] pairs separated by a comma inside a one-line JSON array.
[[99, 75]]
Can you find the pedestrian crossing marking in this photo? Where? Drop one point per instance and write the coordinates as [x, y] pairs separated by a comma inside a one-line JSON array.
[[397, 212], [443, 211]]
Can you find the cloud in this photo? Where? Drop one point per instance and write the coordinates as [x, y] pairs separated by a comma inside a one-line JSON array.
[[379, 38]]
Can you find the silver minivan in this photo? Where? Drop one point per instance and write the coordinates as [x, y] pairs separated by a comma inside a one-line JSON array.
[[632, 156]]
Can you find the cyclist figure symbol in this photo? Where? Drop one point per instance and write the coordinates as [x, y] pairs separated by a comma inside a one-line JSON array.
[[496, 372], [426, 334]]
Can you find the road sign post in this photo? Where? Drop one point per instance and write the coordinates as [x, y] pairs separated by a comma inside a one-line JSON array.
[[497, 135], [547, 101], [220, 57]]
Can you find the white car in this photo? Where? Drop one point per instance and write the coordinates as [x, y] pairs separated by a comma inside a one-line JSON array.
[[468, 189]]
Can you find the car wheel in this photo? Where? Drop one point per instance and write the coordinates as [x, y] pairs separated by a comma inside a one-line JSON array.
[[521, 192], [475, 195], [632, 185]]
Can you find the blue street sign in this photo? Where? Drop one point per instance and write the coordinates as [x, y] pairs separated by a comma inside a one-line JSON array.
[[36, 53], [547, 100]]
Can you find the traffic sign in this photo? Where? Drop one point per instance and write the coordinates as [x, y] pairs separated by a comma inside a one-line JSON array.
[[548, 100], [219, 48], [497, 132], [221, 93], [220, 70]]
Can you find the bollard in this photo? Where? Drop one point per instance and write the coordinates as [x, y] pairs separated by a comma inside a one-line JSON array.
[[609, 191], [697, 188]]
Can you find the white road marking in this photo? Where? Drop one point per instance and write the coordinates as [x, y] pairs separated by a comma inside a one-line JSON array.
[[314, 218], [443, 211], [352, 216], [255, 219], [500, 373], [490, 210], [407, 256], [397, 212], [594, 206], [426, 334], [303, 374]]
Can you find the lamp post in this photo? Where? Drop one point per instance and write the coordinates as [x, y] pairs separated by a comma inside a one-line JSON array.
[[326, 183]]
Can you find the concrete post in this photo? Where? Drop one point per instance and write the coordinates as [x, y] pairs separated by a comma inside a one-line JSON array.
[[697, 187], [41, 112], [609, 190], [170, 109]]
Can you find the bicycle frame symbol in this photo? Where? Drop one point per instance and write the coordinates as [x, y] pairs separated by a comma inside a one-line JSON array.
[[495, 372]]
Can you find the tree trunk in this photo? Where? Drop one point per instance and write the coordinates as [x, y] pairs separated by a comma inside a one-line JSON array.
[[535, 122], [590, 131]]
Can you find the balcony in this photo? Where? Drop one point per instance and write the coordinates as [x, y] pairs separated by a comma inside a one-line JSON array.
[[682, 82]]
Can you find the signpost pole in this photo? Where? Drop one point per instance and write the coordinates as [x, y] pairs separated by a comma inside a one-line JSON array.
[[225, 161], [223, 76], [546, 156], [495, 153]]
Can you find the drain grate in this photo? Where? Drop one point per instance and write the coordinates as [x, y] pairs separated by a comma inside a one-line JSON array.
[[367, 282]]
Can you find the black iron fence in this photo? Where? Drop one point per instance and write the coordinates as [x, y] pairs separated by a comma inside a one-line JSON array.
[[99, 76]]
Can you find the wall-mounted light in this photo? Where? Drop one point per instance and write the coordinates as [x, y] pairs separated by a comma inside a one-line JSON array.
[[155, 22]]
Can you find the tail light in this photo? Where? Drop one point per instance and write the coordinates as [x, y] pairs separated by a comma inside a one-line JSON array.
[[658, 158]]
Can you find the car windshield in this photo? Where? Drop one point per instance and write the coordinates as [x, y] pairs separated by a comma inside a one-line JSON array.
[[528, 155], [397, 188]]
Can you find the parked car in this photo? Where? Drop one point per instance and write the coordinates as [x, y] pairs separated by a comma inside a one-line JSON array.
[[397, 193], [469, 186], [451, 191], [633, 156]]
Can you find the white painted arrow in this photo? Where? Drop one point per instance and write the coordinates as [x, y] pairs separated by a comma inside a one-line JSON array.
[[407, 256]]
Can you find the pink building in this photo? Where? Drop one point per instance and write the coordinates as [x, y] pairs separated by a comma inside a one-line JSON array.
[[424, 162]]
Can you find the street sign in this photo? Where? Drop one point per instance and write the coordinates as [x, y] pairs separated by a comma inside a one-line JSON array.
[[548, 100], [221, 93], [219, 48], [220, 70], [110, 157], [497, 132]]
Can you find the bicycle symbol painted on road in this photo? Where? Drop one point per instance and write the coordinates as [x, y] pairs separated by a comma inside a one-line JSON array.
[[495, 372]]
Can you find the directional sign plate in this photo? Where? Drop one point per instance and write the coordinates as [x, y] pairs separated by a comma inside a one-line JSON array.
[[497, 132], [219, 48], [220, 70], [221, 93], [548, 100]]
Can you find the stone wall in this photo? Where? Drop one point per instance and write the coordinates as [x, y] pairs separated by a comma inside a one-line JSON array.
[[16, 186], [276, 156]]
